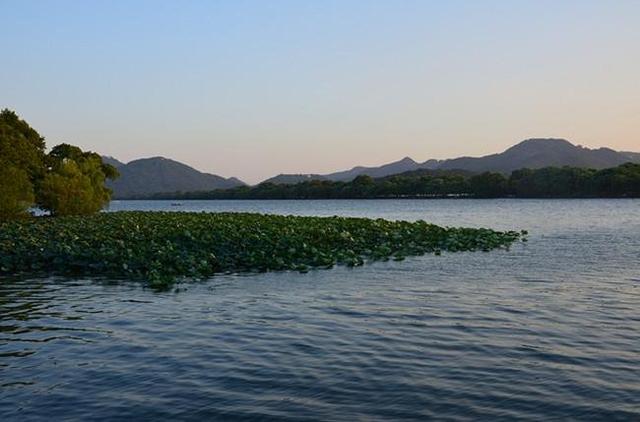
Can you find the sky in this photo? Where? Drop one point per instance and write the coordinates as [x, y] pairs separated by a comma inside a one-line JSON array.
[[256, 88]]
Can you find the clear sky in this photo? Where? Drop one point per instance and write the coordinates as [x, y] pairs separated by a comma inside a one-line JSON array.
[[255, 88]]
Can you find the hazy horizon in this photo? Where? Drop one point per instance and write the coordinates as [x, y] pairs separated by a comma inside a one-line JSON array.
[[252, 89]]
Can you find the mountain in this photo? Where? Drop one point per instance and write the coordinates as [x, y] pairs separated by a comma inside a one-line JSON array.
[[292, 179], [406, 164], [633, 156], [530, 153], [110, 160], [149, 176], [537, 153], [400, 166], [430, 173], [160, 175]]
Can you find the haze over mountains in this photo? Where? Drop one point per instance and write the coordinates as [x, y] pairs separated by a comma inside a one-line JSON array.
[[150, 176]]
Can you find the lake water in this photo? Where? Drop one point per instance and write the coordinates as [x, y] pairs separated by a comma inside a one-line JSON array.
[[549, 329]]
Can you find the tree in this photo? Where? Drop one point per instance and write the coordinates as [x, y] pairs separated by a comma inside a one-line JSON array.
[[488, 185], [362, 186], [75, 182], [21, 164], [16, 193], [20, 145]]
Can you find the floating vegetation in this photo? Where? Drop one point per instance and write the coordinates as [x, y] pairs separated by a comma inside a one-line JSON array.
[[160, 247]]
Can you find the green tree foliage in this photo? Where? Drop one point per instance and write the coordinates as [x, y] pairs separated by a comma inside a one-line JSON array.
[[21, 164], [65, 181], [489, 185], [446, 183], [20, 145], [75, 182], [550, 182], [553, 182], [16, 192], [571, 182], [623, 180]]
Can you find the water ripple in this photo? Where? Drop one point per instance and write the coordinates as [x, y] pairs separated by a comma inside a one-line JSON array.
[[547, 330]]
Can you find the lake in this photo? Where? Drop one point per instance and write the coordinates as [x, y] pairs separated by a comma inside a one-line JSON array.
[[549, 329]]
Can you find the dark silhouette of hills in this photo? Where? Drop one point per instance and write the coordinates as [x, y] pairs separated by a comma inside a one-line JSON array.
[[396, 167], [152, 176], [429, 173], [292, 179], [110, 160], [633, 156], [538, 153], [622, 181], [400, 166], [531, 153], [155, 175]]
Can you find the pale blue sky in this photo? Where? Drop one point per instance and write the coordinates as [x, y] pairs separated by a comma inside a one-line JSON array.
[[255, 88]]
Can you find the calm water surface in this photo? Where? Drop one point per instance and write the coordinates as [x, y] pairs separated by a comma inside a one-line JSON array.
[[547, 330]]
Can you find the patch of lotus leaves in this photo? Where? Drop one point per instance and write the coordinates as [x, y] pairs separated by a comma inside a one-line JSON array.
[[160, 247]]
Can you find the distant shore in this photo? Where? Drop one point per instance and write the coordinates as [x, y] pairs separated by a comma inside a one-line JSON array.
[[551, 182]]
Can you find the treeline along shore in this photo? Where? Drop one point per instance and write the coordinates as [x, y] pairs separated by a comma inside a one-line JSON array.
[[550, 182]]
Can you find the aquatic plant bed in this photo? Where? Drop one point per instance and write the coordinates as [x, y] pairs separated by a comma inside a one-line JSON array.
[[160, 247]]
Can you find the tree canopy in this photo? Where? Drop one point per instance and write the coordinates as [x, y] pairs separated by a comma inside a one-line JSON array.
[[549, 182], [65, 181], [16, 192], [20, 145]]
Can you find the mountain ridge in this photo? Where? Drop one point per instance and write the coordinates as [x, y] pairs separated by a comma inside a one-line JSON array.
[[530, 153], [536, 153], [153, 175], [289, 179]]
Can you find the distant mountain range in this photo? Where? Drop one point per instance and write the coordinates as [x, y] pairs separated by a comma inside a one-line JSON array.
[[149, 176], [633, 156], [291, 179], [531, 153], [537, 153], [401, 166]]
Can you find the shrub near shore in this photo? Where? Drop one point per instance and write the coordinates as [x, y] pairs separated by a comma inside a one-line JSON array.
[[160, 247]]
